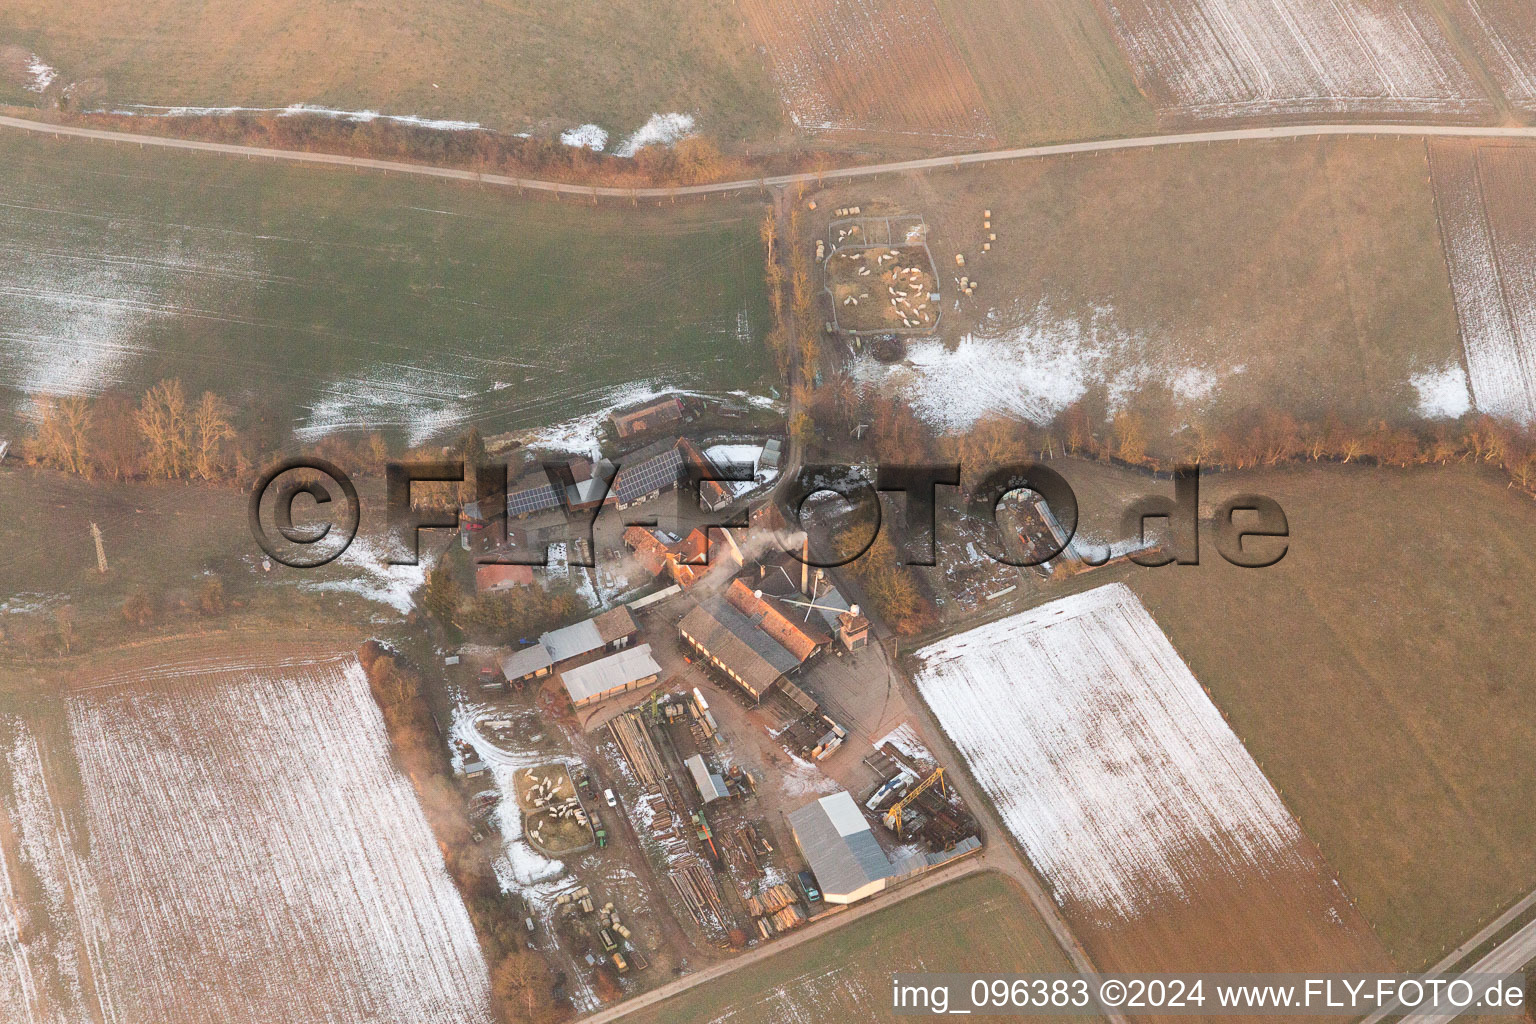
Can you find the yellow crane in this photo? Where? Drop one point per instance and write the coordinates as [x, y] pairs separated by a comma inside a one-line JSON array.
[[893, 816]]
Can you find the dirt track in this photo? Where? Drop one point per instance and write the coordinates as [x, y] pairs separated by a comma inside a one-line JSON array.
[[779, 180]]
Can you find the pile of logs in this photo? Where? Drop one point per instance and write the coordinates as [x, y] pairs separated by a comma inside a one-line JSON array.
[[782, 921], [696, 885], [629, 732], [771, 900]]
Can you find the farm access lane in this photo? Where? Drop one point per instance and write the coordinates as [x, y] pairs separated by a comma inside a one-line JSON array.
[[1507, 957], [811, 930], [1510, 955], [781, 180]]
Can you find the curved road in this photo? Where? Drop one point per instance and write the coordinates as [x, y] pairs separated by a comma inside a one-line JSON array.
[[867, 170]]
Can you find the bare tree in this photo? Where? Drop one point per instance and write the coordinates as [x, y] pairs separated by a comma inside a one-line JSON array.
[[63, 434], [162, 420], [210, 429]]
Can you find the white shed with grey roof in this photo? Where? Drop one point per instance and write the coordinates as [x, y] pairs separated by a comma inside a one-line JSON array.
[[629, 669], [838, 844], [711, 785]]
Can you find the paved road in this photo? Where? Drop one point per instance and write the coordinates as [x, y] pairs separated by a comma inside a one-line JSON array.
[[1510, 955], [1507, 957], [868, 170]]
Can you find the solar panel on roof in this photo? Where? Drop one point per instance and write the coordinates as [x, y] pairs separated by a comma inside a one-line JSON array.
[[650, 475], [532, 499]]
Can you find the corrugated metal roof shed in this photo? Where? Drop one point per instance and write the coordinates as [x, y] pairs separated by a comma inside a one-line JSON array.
[[711, 787], [571, 641], [526, 661], [837, 842], [611, 673]]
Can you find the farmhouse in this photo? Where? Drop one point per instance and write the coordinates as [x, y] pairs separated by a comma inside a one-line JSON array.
[[837, 843], [660, 467], [532, 494], [651, 416], [686, 560], [492, 579], [630, 669]]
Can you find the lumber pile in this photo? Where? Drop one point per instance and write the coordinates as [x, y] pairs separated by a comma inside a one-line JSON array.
[[771, 900], [634, 741], [696, 885]]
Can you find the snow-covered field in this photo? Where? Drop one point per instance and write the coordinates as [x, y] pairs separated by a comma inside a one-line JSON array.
[[1031, 364], [1240, 58], [1104, 756], [1505, 34], [1483, 197], [248, 854]]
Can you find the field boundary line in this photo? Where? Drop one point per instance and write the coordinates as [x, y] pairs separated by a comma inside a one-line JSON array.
[[1303, 131]]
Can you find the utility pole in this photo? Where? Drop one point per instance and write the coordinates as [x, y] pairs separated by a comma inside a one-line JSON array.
[[101, 552]]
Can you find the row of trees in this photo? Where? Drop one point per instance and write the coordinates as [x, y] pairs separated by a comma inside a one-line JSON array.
[[522, 983], [689, 161], [164, 436], [1257, 438]]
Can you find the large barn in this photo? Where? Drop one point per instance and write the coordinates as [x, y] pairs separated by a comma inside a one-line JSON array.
[[836, 841], [630, 669]]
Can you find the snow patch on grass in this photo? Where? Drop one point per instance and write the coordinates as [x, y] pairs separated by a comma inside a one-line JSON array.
[[659, 129], [1443, 391], [1104, 756], [587, 136], [299, 110], [422, 402], [42, 74], [1034, 369], [377, 580]]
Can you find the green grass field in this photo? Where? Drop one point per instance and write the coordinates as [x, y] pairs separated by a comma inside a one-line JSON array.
[[513, 66], [340, 299], [1380, 674], [977, 924]]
